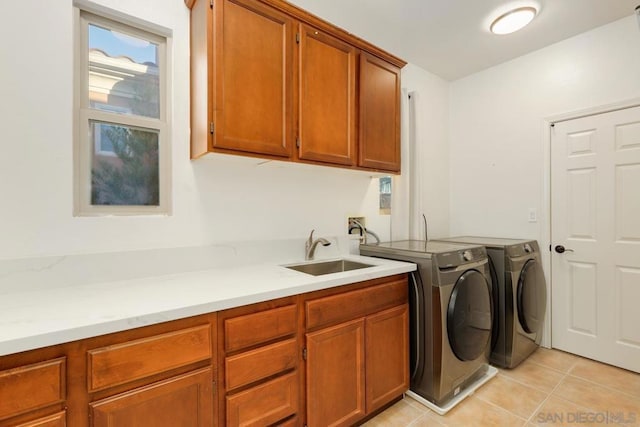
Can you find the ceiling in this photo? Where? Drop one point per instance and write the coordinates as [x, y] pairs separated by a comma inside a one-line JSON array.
[[450, 38]]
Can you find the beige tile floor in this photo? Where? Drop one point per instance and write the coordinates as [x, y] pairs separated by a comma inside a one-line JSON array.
[[550, 388]]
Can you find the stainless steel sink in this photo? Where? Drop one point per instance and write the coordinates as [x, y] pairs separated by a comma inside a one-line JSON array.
[[328, 267]]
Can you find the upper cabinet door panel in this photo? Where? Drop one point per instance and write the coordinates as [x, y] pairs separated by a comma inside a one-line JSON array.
[[254, 78], [379, 114], [327, 126]]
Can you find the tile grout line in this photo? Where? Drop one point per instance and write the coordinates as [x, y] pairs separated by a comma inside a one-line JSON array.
[[604, 386], [501, 408], [547, 393], [535, 412], [568, 373], [529, 385], [564, 376]]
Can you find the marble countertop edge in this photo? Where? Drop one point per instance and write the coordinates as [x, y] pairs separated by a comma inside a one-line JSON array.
[[41, 318]]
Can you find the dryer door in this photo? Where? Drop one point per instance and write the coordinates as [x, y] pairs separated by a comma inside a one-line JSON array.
[[531, 297], [469, 316]]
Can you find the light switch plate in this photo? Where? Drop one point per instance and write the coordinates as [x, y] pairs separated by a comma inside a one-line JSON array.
[[533, 215]]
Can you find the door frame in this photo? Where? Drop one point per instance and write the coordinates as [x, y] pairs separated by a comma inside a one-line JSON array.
[[545, 220]]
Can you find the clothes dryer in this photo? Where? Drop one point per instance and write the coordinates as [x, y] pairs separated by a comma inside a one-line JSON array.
[[450, 314], [520, 296]]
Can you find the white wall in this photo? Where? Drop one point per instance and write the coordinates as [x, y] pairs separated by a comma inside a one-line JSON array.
[[430, 185], [216, 199], [496, 124]]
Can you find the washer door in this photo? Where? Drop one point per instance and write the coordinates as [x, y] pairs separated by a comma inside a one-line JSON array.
[[531, 297], [469, 316]]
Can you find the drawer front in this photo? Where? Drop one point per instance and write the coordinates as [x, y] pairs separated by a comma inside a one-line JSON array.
[[251, 366], [265, 404], [291, 422], [350, 305], [56, 420], [31, 387], [253, 329], [129, 361]]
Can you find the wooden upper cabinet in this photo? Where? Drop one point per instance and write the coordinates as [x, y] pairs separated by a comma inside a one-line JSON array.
[[253, 78], [327, 104], [241, 79], [379, 114], [269, 79]]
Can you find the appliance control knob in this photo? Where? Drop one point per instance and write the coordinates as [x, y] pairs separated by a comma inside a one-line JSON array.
[[527, 248], [467, 255]]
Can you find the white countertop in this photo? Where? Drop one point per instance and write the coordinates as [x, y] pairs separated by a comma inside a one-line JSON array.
[[53, 300]]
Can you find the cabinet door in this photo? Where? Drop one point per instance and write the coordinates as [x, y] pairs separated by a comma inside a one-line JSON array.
[[335, 375], [327, 122], [253, 78], [387, 356], [186, 400], [379, 114]]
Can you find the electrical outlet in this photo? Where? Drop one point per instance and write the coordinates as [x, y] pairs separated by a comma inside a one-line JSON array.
[[353, 228]]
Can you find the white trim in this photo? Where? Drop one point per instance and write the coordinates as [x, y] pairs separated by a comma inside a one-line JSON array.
[[545, 221], [78, 78], [98, 130], [606, 108], [85, 114], [123, 18]]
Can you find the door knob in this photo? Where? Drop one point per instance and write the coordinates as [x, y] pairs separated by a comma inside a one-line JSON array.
[[561, 249]]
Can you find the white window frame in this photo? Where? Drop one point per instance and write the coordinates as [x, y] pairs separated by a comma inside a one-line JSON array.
[[98, 127], [89, 13]]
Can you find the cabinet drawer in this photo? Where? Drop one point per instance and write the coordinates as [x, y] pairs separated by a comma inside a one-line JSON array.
[[291, 422], [56, 420], [129, 361], [350, 305], [253, 329], [264, 404], [262, 362], [31, 387]]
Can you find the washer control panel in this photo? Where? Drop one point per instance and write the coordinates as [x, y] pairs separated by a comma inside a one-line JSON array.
[[522, 249], [460, 257]]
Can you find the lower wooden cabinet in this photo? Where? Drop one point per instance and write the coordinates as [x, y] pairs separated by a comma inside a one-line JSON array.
[[358, 366], [186, 400], [336, 375], [387, 356], [240, 367], [259, 358]]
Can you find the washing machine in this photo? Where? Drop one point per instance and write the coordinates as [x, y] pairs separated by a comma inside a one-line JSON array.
[[520, 296], [450, 314]]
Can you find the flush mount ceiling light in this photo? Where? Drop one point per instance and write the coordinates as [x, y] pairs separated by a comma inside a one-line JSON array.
[[513, 20]]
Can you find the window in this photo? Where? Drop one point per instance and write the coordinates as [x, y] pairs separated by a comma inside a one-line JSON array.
[[385, 195], [122, 141]]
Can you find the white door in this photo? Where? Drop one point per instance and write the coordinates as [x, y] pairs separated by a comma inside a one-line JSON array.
[[595, 216]]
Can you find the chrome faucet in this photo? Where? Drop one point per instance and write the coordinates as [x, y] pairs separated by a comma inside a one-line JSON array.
[[311, 244], [363, 231]]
